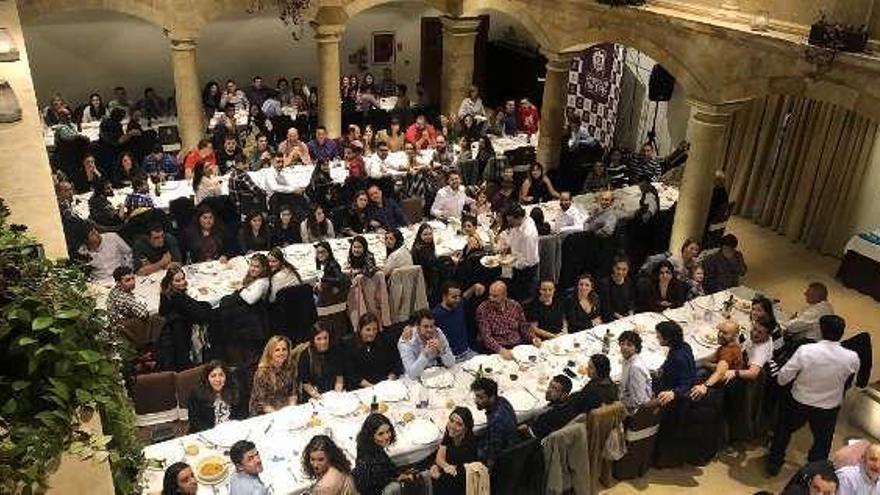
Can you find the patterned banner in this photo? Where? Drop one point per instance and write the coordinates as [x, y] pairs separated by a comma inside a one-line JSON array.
[[594, 89]]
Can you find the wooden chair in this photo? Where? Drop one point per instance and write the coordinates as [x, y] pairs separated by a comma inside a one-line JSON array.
[[155, 405], [185, 382]]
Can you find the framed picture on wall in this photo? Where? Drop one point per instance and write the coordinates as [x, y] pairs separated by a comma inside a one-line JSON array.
[[383, 47]]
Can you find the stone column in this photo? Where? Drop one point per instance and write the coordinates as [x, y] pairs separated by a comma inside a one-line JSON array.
[[459, 37], [329, 24], [553, 109], [706, 133], [188, 93], [25, 177]]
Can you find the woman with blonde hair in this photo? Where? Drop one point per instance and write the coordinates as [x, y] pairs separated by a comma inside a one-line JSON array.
[[274, 384]]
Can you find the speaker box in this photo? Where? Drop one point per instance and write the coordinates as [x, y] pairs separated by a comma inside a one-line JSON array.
[[661, 85]]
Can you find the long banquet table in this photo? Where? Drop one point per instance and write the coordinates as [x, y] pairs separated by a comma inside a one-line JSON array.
[[281, 436], [210, 281]]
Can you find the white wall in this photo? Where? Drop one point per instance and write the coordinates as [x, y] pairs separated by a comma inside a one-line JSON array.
[[76, 54], [636, 113]]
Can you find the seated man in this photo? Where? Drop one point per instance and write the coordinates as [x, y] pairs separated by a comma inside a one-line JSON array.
[[155, 251], [383, 212], [451, 199], [226, 155], [204, 152], [600, 389], [635, 377], [421, 133], [294, 150], [603, 221], [617, 292], [322, 147], [123, 308], [570, 217], [758, 349], [422, 346], [501, 324], [724, 268], [104, 252], [546, 314], [158, 162], [244, 192], [248, 466], [728, 356], [560, 410], [805, 323], [139, 198], [378, 165], [817, 477], [864, 477], [450, 317], [500, 429]]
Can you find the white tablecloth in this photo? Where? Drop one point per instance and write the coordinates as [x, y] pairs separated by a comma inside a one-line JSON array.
[[281, 436], [92, 130], [863, 247]]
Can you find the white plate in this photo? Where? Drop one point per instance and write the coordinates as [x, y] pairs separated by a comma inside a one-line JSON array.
[[493, 362], [422, 432], [525, 354], [437, 377], [340, 403], [390, 391], [521, 400]]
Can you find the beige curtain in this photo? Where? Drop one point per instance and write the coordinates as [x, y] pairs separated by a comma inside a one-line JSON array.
[[795, 165]]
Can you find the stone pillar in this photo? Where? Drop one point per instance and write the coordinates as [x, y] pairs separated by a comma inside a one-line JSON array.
[[188, 93], [25, 177], [706, 133], [553, 109], [329, 24], [459, 37]]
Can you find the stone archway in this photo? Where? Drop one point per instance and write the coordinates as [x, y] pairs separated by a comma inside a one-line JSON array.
[[521, 11], [354, 7], [150, 11]]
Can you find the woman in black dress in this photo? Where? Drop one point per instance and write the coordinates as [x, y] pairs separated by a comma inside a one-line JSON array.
[[253, 235], [373, 469], [537, 188], [355, 219], [662, 291], [583, 308], [370, 357], [204, 238], [320, 369], [215, 400], [332, 289], [458, 447], [286, 231], [424, 254], [181, 312]]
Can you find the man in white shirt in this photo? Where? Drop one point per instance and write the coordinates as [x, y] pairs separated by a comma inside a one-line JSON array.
[[805, 323], [472, 104], [276, 180], [379, 164], [604, 221], [862, 478], [451, 198], [523, 241], [423, 346], [570, 217], [758, 349], [105, 252], [819, 372]]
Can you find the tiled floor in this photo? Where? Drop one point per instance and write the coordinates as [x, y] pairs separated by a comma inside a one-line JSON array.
[[780, 269]]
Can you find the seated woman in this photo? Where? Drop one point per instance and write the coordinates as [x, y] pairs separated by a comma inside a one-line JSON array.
[[583, 309], [253, 234], [370, 357], [361, 261], [355, 219], [204, 237], [101, 211], [397, 255], [373, 469], [662, 291], [243, 318], [274, 386], [324, 462], [317, 226], [458, 447], [320, 368], [419, 179], [282, 274], [126, 170], [482, 205], [215, 400], [600, 387], [506, 193], [424, 254], [469, 271], [205, 182], [86, 177], [678, 372], [537, 188], [287, 230], [321, 189], [179, 480], [332, 289], [181, 312], [546, 314]]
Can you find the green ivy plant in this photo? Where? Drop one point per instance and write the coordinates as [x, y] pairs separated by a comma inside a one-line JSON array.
[[55, 372]]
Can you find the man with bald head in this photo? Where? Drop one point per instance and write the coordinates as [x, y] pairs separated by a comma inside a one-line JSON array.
[[861, 478], [294, 150], [728, 356], [603, 221], [805, 323], [501, 323]]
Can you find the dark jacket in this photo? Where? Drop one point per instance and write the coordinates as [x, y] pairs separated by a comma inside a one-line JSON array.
[[200, 408], [180, 312], [373, 470], [678, 372], [371, 362]]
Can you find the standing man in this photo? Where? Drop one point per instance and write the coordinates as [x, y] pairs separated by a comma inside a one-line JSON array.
[[820, 373], [523, 240]]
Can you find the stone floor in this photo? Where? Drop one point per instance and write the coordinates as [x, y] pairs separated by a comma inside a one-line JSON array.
[[780, 269]]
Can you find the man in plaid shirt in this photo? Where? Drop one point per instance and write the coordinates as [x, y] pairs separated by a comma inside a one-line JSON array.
[[500, 431], [501, 323], [139, 197], [123, 305], [245, 193]]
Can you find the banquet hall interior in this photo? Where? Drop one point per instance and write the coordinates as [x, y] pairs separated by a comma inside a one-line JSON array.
[[439, 246]]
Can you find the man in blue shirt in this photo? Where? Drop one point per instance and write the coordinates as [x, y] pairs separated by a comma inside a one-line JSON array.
[[500, 429], [451, 320], [383, 212], [248, 466], [421, 346], [323, 148]]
